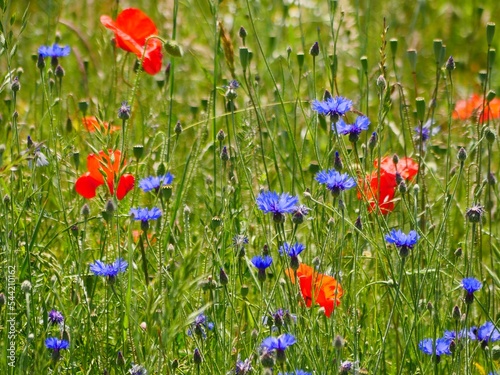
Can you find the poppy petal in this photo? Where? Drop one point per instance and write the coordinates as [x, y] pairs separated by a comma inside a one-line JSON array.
[[86, 185], [125, 184]]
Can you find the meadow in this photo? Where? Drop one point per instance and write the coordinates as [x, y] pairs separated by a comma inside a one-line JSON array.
[[249, 187]]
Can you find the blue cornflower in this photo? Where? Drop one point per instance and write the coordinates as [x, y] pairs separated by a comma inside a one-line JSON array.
[[243, 367], [334, 181], [277, 204], [55, 317], [200, 325], [137, 370], [335, 107], [261, 263], [56, 345], [293, 252], [404, 242], [280, 344], [471, 285], [453, 335], [144, 215], [442, 346], [109, 270], [485, 334], [155, 182], [361, 123], [296, 372], [54, 51]]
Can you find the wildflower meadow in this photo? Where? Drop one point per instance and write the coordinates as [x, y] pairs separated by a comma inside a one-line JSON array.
[[249, 187]]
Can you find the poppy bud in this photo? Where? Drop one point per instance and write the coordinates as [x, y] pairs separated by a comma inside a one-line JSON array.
[[244, 290], [338, 342], [490, 95], [358, 224], [173, 48]]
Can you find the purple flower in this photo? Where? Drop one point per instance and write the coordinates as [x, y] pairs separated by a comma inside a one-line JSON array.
[[296, 372], [404, 242], [280, 344], [361, 123], [56, 346], [293, 250], [279, 318], [471, 285], [262, 262], [155, 182], [145, 214], [334, 181], [277, 204], [486, 333], [426, 131], [109, 270], [55, 317], [335, 107], [54, 51], [442, 346]]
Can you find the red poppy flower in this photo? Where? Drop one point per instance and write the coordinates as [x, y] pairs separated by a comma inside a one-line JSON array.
[[100, 166], [322, 289], [465, 109], [131, 29], [92, 124], [381, 194]]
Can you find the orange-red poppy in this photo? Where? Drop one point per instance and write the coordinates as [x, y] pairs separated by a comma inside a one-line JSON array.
[[132, 27], [106, 164], [322, 289], [381, 193], [465, 109], [92, 124]]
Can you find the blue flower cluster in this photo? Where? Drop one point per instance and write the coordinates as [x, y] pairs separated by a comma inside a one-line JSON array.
[[335, 181], [109, 270], [53, 51], [156, 182], [277, 204], [334, 107], [361, 123], [404, 242]]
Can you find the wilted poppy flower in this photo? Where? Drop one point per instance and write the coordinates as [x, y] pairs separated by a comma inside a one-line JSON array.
[[92, 124], [132, 27], [381, 193], [322, 289], [465, 109], [104, 164]]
